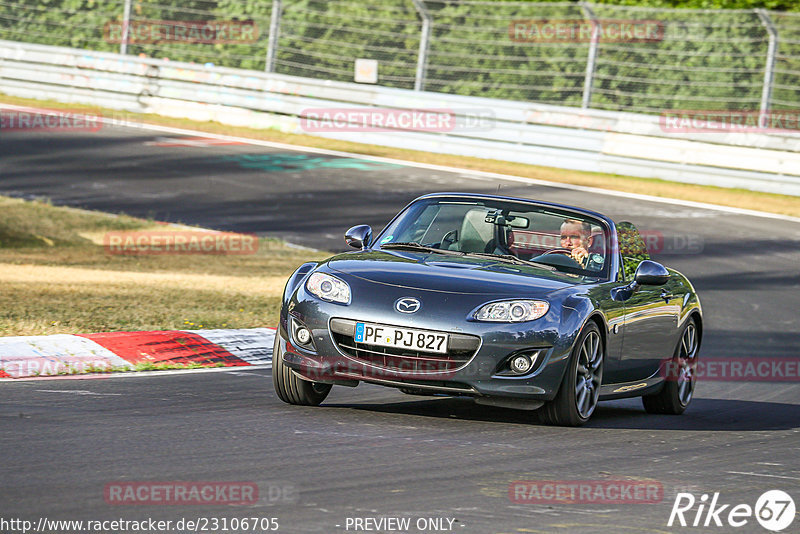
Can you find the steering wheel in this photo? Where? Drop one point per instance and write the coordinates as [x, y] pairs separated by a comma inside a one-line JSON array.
[[449, 239], [561, 257], [564, 251]]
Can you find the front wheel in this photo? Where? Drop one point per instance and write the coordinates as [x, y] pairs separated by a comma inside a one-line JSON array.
[[580, 390], [290, 388], [677, 392]]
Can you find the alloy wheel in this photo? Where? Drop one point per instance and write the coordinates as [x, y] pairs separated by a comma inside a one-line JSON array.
[[589, 374]]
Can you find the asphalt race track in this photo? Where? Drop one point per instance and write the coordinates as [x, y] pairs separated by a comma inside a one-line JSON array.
[[371, 452]]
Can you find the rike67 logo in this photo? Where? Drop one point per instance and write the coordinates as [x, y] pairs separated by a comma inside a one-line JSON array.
[[774, 510]]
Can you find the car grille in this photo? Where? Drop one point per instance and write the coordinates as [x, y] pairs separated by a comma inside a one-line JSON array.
[[461, 349]]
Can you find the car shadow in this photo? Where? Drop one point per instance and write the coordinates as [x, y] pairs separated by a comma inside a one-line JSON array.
[[786, 280], [703, 415]]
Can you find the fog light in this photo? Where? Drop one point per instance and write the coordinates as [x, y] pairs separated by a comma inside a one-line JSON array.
[[303, 335], [521, 364]]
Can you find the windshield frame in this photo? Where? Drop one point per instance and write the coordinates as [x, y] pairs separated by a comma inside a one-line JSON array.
[[611, 267]]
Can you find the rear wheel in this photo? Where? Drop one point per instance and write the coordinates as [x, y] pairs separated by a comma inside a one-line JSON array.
[[580, 390], [289, 387], [678, 389]]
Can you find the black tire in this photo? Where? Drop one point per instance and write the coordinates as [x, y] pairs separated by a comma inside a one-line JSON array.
[[675, 396], [585, 372], [290, 388]]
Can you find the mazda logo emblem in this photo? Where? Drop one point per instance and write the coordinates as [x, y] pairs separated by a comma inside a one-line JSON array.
[[407, 305]]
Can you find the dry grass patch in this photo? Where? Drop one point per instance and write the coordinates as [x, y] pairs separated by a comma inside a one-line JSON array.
[[58, 278]]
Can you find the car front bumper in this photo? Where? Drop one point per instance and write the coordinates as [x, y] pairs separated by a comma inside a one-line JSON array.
[[482, 374]]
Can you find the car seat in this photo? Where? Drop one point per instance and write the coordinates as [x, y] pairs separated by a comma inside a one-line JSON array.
[[476, 234]]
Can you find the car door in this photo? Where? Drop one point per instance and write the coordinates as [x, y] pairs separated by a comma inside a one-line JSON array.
[[650, 315]]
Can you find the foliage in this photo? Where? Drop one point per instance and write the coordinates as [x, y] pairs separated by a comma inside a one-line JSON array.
[[705, 60], [632, 248]]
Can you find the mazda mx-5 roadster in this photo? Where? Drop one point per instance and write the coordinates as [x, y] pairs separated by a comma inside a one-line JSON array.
[[515, 303]]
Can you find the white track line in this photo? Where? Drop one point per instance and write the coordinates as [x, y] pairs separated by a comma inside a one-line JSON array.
[[761, 475], [466, 173]]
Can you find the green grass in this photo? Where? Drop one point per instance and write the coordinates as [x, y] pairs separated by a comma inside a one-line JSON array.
[[137, 368], [37, 224], [166, 366]]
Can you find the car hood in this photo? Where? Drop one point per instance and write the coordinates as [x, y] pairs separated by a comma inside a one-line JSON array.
[[450, 274]]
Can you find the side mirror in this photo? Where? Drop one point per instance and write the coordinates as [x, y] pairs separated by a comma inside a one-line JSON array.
[[359, 236], [651, 273]]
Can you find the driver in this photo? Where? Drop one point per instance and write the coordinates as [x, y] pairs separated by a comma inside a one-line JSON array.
[[576, 236]]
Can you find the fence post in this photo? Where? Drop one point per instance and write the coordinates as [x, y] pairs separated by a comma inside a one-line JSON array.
[[126, 27], [425, 37], [769, 67], [592, 59], [274, 30]]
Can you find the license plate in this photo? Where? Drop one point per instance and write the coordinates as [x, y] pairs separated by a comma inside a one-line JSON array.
[[404, 338]]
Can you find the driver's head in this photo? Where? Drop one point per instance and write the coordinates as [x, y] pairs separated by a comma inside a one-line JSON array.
[[576, 234]]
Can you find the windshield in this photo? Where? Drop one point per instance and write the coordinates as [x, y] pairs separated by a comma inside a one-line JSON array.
[[568, 241]]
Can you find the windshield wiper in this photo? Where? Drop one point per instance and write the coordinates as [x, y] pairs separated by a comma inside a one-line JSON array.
[[508, 258], [417, 247], [505, 258]]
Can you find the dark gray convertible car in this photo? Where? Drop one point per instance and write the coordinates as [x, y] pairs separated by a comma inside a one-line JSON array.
[[515, 303]]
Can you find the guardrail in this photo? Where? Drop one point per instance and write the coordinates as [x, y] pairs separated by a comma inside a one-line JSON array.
[[538, 134]]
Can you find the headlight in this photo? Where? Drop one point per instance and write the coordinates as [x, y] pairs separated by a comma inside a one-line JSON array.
[[512, 311], [328, 288]]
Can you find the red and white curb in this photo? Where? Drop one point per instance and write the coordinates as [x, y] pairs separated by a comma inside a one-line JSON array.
[[41, 356]]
